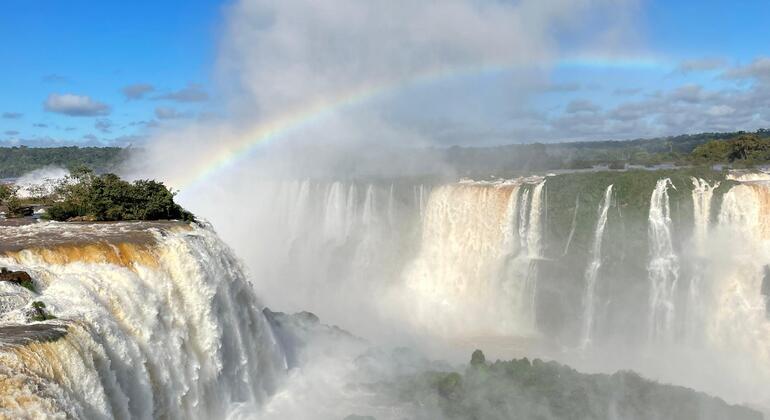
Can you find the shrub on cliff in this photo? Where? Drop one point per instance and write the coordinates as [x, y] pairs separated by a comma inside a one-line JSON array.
[[6, 190], [87, 196], [13, 204]]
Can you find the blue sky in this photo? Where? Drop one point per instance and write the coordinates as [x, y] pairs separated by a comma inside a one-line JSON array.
[[692, 65], [95, 49]]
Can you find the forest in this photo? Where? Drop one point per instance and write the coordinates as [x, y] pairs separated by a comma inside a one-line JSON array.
[[15, 161]]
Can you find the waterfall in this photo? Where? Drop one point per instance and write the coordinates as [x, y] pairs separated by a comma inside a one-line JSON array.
[[592, 272], [419, 199], [336, 214], [534, 240], [573, 225], [702, 195], [475, 263], [535, 228], [162, 327], [663, 267], [391, 207], [368, 214]]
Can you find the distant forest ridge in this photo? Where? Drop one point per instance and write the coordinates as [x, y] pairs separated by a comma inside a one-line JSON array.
[[16, 161], [739, 147]]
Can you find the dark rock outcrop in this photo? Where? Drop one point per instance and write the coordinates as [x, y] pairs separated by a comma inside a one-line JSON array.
[[296, 332], [18, 277], [14, 276]]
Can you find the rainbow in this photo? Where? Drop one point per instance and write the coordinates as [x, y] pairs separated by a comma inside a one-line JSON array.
[[311, 113]]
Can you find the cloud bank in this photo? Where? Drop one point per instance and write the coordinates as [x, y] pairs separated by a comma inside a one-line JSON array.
[[75, 105], [137, 91], [278, 58]]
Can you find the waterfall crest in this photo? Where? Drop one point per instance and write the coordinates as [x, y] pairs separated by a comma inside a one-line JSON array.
[[165, 328]]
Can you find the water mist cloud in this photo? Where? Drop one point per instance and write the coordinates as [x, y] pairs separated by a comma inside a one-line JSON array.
[[286, 72], [276, 59]]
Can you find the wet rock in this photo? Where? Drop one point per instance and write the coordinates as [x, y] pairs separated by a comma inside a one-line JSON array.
[[296, 332], [19, 277]]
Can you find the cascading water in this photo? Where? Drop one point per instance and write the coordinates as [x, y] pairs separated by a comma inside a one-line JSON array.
[[702, 196], [738, 321], [472, 259], [163, 326], [476, 260], [592, 271], [663, 267], [533, 232], [464, 259]]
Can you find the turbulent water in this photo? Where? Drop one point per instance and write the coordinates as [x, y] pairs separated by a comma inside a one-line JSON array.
[[160, 323], [643, 276], [669, 278]]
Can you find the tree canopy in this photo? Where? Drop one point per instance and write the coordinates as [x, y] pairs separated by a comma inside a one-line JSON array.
[[16, 161], [87, 196]]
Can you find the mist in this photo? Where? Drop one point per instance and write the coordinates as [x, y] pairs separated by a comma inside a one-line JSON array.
[[344, 212]]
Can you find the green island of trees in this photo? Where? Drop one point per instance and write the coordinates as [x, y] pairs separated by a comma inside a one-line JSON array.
[[85, 196], [536, 389]]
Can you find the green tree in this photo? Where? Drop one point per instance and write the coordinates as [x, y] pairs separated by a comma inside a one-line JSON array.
[[749, 147], [713, 151], [108, 198]]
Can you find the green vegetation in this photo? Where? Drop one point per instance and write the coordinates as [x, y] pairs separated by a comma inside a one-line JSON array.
[[6, 191], [40, 313], [570, 218], [738, 148], [83, 195], [27, 284], [15, 161], [10, 200], [747, 148], [524, 389]]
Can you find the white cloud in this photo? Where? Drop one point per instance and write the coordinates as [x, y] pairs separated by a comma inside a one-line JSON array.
[[688, 93], [581, 105], [75, 105], [103, 124], [167, 113], [702, 64], [758, 69], [720, 110], [191, 93], [137, 91]]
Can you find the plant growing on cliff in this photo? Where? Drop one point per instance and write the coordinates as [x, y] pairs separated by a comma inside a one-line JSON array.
[[10, 199], [40, 313], [5, 191], [106, 197]]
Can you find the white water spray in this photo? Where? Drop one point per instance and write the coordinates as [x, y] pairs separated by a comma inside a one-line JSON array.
[[592, 272], [663, 267], [170, 329]]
